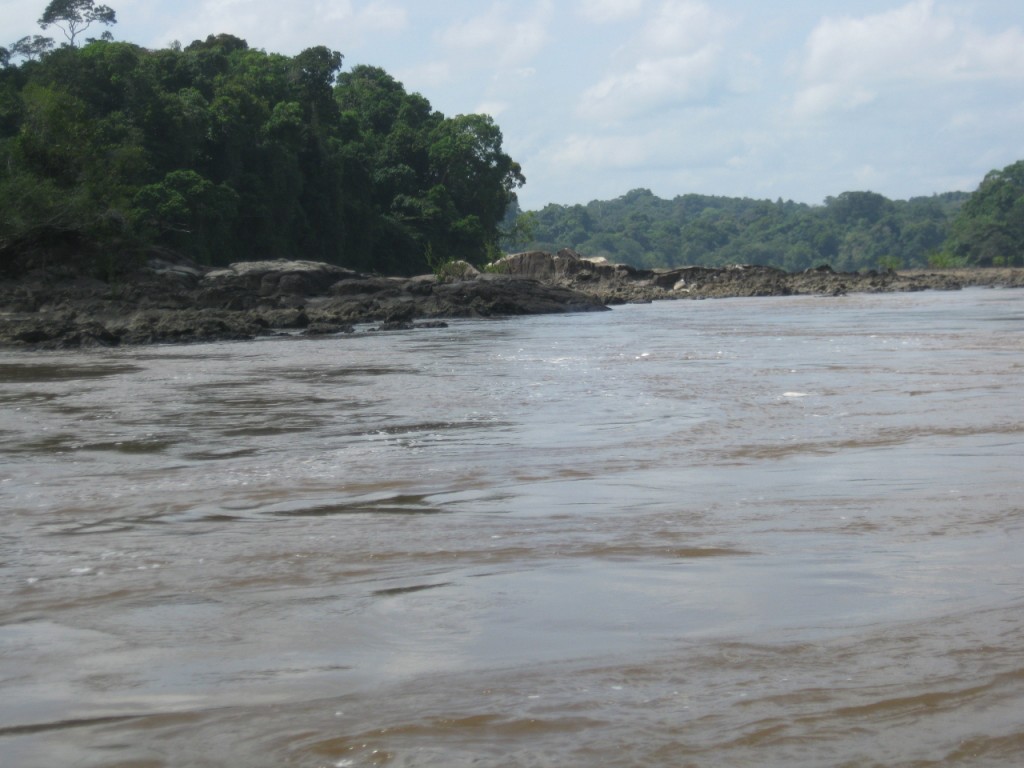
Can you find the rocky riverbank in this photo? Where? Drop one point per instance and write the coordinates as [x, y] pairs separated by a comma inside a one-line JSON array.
[[176, 301], [620, 283], [181, 302]]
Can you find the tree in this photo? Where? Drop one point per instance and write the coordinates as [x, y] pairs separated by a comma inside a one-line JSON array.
[[473, 184], [856, 207], [224, 152], [520, 231], [989, 230], [73, 17], [188, 212], [31, 47]]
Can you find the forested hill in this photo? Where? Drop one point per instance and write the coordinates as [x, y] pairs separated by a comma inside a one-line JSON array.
[[111, 151], [855, 230]]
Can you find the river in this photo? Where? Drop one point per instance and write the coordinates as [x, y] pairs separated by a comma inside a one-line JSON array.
[[743, 532]]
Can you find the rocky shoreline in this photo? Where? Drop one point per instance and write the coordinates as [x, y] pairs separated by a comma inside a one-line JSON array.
[[620, 283], [180, 302], [173, 301]]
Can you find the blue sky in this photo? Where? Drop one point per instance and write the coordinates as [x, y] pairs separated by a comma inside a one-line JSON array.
[[798, 100]]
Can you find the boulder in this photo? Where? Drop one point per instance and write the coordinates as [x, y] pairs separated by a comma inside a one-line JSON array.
[[248, 284]]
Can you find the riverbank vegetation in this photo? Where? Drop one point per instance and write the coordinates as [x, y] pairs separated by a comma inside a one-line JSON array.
[[223, 153], [852, 231], [111, 152]]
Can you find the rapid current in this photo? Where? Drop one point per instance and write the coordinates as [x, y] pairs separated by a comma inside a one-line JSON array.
[[742, 532]]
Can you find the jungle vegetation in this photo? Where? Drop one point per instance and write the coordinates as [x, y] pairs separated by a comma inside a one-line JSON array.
[[855, 230], [224, 153], [852, 231], [110, 152]]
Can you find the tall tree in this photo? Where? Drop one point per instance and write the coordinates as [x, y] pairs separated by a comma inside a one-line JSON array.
[[31, 47], [73, 17], [473, 183]]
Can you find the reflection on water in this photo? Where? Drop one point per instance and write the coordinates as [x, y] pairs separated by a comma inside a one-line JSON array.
[[740, 532]]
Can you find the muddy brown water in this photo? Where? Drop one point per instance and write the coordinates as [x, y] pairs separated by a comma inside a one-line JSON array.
[[769, 532]]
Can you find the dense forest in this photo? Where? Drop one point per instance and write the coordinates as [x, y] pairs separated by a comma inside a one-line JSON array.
[[223, 152], [110, 152], [852, 231], [855, 230]]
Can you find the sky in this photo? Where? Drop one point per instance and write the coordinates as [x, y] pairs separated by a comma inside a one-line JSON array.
[[743, 98]]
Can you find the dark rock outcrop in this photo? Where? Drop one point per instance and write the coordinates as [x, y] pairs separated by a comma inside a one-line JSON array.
[[619, 283], [175, 302]]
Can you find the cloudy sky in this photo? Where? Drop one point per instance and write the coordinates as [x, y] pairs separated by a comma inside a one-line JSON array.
[[797, 100]]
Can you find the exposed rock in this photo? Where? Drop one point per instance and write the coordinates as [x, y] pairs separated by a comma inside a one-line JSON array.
[[394, 325], [458, 270], [175, 301], [280, 283], [154, 326], [327, 329], [619, 284]]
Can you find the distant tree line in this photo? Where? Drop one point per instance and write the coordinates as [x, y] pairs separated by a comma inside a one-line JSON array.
[[223, 152], [852, 231]]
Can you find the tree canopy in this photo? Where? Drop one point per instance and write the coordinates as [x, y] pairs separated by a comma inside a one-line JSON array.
[[226, 153], [854, 230], [989, 230]]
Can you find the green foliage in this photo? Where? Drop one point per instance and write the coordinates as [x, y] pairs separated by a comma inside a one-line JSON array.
[[188, 212], [989, 230], [445, 269], [890, 263], [854, 231], [946, 260], [226, 153], [30, 48], [519, 229]]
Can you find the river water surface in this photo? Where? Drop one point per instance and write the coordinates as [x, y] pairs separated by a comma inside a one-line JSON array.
[[766, 532]]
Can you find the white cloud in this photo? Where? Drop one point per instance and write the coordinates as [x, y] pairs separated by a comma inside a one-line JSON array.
[[848, 61], [585, 151], [492, 108], [674, 60], [425, 76], [289, 28], [477, 32], [604, 11], [901, 43], [508, 34], [682, 25], [868, 176], [381, 17], [824, 97], [655, 148], [652, 84], [992, 56]]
